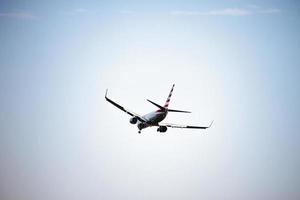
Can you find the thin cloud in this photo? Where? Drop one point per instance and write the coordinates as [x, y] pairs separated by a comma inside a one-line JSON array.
[[253, 6], [260, 10], [224, 12], [21, 15], [230, 12], [270, 11], [76, 11], [251, 10]]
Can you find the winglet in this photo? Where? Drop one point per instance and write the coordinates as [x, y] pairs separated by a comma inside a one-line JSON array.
[[106, 93], [211, 123]]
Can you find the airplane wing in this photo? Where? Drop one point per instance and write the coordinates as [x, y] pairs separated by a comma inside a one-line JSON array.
[[184, 126], [140, 118]]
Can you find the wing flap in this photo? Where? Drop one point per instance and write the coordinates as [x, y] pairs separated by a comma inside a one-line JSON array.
[[185, 126]]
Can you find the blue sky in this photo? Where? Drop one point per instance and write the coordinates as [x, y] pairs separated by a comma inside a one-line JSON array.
[[236, 62]]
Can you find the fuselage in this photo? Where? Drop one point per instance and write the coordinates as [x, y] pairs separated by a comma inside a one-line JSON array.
[[152, 118]]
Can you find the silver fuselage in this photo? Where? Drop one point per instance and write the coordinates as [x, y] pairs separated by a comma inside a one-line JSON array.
[[152, 118]]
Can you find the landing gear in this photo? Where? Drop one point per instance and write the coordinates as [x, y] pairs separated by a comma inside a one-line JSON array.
[[139, 131]]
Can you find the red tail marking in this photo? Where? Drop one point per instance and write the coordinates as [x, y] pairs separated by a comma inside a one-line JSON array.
[[169, 97]]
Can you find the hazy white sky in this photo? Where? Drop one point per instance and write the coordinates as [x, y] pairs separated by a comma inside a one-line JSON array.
[[236, 62]]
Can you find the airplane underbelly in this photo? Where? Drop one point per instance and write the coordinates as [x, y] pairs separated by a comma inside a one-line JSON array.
[[158, 118], [152, 119]]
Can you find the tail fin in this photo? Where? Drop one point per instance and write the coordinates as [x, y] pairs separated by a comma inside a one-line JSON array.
[[169, 97]]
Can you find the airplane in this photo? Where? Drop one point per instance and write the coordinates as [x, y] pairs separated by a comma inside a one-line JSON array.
[[154, 118]]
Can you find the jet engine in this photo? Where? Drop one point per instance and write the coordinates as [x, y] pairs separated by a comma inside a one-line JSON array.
[[133, 120], [162, 129]]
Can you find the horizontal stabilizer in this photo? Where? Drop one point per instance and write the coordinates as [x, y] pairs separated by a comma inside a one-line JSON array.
[[182, 111], [162, 108]]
